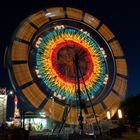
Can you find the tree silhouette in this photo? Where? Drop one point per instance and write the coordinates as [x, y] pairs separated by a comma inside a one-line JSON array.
[[131, 107]]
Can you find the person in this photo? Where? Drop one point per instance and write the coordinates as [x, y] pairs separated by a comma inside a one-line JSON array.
[[30, 126]]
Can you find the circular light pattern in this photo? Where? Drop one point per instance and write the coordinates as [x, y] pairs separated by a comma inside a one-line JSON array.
[[42, 60], [63, 60], [55, 60]]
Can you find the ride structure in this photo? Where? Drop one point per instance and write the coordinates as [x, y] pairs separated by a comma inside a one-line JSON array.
[[69, 64]]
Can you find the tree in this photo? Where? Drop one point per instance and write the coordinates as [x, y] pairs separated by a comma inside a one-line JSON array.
[[131, 107]]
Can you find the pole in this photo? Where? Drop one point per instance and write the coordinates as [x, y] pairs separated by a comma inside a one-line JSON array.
[[91, 104], [80, 119]]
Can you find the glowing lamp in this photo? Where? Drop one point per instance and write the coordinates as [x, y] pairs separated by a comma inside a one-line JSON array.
[[119, 113], [108, 115], [11, 92]]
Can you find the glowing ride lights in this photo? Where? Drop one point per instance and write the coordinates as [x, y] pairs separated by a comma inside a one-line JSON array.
[[16, 111], [120, 114], [42, 114], [108, 115], [58, 48], [41, 70]]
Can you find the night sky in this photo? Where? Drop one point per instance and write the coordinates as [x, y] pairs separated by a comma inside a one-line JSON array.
[[121, 16]]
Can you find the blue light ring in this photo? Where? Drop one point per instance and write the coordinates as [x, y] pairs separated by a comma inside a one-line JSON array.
[[47, 38]]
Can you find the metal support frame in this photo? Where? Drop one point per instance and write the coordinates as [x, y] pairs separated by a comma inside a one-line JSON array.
[[91, 104], [80, 119], [78, 92], [64, 119], [65, 114]]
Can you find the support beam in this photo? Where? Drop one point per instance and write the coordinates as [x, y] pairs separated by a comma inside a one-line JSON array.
[[80, 119], [90, 103]]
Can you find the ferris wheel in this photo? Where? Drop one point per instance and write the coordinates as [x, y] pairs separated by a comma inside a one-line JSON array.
[[59, 51]]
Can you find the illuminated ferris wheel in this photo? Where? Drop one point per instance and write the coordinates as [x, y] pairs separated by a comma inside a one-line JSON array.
[[58, 52]]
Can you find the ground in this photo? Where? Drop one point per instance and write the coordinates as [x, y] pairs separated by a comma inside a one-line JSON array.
[[129, 136]]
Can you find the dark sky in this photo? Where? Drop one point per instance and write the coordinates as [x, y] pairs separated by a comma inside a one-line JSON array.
[[121, 16]]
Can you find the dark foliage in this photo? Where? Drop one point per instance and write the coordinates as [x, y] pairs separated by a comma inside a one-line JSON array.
[[131, 107]]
